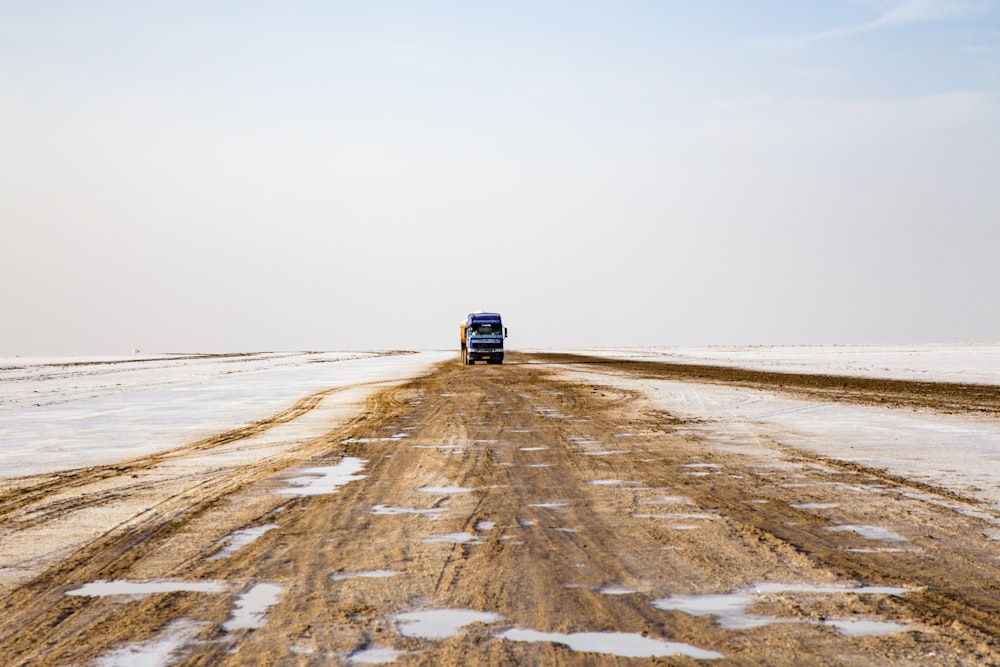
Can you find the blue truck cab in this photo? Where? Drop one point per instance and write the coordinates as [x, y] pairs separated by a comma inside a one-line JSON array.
[[482, 337]]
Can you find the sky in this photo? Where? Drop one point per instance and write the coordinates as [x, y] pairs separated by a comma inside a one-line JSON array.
[[322, 175]]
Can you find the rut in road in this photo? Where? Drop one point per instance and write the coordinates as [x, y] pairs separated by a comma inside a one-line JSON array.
[[544, 506]]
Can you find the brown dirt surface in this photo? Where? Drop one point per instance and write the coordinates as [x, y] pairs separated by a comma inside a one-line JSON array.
[[545, 504]]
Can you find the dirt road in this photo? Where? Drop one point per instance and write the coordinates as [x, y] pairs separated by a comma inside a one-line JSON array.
[[497, 515]]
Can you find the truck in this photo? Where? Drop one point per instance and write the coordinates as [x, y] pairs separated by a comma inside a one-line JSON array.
[[482, 335]]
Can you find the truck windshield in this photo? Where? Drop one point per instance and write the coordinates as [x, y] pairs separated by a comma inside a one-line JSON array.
[[485, 330]]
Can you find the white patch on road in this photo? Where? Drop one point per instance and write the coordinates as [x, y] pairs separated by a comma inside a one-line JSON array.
[[452, 538], [374, 656], [250, 609], [677, 515], [615, 482], [852, 628], [669, 500], [325, 479], [241, 538], [440, 623], [731, 610], [370, 574], [445, 489], [386, 510], [105, 588], [620, 644], [156, 653], [869, 532]]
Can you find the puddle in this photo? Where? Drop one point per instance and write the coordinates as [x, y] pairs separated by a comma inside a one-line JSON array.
[[731, 610], [157, 653], [611, 590], [813, 506], [678, 515], [526, 522], [699, 465], [444, 489], [250, 609], [620, 644], [386, 510], [440, 623], [374, 656], [549, 506], [452, 538], [370, 574], [531, 449], [566, 530], [605, 452], [105, 588], [540, 465], [485, 525], [868, 532], [241, 538], [327, 479]]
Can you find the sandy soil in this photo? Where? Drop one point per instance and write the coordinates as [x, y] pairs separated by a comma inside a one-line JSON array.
[[496, 515]]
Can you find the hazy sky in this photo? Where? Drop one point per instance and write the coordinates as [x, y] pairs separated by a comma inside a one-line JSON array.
[[233, 176]]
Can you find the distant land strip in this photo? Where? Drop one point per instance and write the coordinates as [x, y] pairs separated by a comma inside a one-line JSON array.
[[947, 397]]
